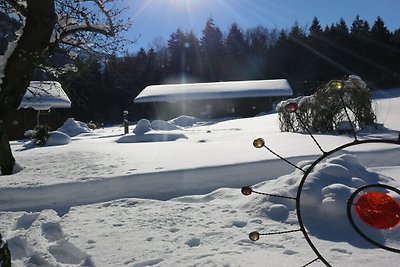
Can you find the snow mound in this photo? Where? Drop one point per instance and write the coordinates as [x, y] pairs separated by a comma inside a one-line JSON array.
[[323, 199], [163, 126], [150, 137], [186, 121], [142, 126], [330, 185], [73, 128], [143, 132], [57, 138]]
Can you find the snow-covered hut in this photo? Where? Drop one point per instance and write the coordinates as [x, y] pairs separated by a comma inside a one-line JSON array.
[[215, 99], [40, 96]]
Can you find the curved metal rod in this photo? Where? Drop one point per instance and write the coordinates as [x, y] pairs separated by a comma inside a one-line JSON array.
[[308, 171], [350, 216]]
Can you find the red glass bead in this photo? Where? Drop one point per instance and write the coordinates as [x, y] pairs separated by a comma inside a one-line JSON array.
[[246, 190], [291, 107], [378, 210]]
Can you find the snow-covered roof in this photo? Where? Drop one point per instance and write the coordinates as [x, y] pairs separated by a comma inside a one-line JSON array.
[[43, 95], [214, 90]]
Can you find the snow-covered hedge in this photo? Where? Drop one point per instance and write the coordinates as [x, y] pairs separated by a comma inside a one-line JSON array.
[[325, 111]]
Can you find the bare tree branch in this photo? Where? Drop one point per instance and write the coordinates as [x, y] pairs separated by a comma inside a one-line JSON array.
[[89, 20], [18, 6]]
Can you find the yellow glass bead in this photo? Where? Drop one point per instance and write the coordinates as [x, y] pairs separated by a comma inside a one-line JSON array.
[[254, 236], [336, 84], [258, 143]]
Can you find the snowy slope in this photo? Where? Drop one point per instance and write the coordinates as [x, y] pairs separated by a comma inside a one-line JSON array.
[[100, 202]]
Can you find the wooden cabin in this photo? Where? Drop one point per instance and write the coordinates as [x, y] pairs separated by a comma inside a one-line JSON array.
[[215, 99]]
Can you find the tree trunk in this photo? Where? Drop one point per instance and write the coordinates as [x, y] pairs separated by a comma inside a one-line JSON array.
[[6, 158], [29, 52]]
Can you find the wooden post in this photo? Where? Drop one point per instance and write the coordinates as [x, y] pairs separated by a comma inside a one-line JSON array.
[[125, 121], [38, 118]]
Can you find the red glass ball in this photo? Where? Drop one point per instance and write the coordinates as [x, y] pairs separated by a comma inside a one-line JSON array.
[[291, 107], [378, 210], [246, 190]]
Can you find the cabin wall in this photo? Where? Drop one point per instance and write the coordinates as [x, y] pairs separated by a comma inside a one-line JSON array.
[[26, 119], [215, 108]]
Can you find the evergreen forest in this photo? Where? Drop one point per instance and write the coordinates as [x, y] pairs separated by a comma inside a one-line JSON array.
[[307, 57]]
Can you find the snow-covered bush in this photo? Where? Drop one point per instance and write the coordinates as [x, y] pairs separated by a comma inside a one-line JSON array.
[[39, 135], [142, 126], [160, 125], [186, 121], [288, 121], [73, 128], [329, 108]]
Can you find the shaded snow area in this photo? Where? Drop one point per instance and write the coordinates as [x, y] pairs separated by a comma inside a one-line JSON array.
[[106, 199]]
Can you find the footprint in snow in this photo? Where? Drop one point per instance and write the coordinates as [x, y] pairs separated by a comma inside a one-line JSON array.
[[52, 231], [44, 244], [239, 224], [65, 252], [25, 221], [193, 242]]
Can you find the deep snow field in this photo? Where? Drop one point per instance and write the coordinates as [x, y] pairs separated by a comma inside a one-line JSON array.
[[168, 194]]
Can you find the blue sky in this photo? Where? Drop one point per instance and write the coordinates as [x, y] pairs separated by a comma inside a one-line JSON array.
[[153, 18]]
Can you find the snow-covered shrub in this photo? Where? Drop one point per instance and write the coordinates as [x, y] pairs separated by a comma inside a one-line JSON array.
[[41, 134], [160, 125], [142, 126], [329, 108], [186, 121], [289, 122], [73, 128]]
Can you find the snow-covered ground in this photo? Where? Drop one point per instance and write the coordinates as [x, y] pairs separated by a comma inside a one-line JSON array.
[[169, 195]]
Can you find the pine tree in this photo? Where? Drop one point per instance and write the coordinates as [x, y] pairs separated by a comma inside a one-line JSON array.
[[194, 65], [236, 45], [258, 40], [379, 32], [359, 28], [315, 29], [212, 51], [314, 73], [176, 59], [236, 53]]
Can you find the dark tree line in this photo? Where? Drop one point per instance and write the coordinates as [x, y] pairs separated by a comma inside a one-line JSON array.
[[100, 91]]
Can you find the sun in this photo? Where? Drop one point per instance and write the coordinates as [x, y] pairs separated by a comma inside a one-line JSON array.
[[181, 5]]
